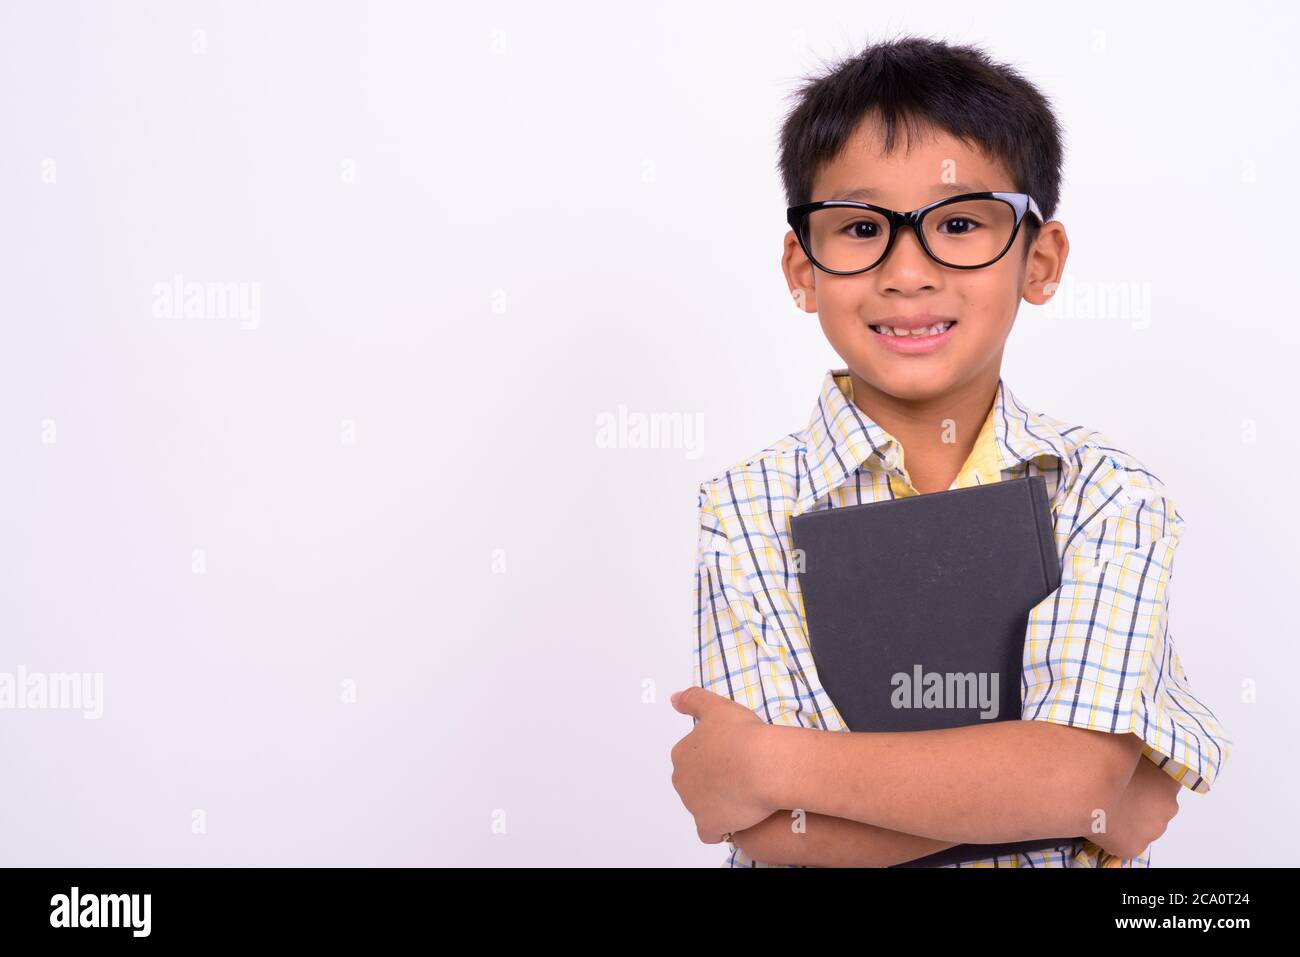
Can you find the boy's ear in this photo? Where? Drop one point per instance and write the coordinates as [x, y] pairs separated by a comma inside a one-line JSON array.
[[798, 274], [1045, 263]]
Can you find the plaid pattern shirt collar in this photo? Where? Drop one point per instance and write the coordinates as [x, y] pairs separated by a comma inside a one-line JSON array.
[[840, 438]]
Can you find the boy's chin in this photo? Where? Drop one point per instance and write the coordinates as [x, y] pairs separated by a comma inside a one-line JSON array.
[[910, 381]]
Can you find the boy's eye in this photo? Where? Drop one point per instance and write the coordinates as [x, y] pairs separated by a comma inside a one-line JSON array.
[[863, 230], [958, 226]]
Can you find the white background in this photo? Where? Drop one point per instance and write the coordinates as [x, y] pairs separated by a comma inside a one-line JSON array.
[[475, 229]]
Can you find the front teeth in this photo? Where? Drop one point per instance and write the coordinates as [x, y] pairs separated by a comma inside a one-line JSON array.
[[933, 330]]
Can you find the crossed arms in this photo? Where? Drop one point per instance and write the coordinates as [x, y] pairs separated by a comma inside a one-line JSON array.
[[925, 790]]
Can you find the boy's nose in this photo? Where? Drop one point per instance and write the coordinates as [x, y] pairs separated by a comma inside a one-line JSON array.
[[907, 267]]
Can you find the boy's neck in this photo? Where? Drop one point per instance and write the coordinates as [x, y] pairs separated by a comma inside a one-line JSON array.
[[920, 426]]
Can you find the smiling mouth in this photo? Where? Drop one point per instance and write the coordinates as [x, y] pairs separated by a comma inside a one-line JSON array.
[[924, 333]]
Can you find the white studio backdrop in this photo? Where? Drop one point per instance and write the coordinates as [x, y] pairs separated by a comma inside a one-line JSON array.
[[311, 313]]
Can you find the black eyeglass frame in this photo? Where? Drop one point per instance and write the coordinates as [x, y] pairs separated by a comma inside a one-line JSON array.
[[797, 217]]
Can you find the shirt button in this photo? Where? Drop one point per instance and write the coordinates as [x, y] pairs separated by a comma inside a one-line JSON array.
[[891, 458]]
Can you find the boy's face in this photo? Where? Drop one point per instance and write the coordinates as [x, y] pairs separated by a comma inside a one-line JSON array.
[[909, 284]]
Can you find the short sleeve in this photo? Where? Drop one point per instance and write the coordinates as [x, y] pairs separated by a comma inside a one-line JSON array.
[[1098, 650], [737, 652]]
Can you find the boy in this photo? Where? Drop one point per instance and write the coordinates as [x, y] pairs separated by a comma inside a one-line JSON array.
[[919, 305]]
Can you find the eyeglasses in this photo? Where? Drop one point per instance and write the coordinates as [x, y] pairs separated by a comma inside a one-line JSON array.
[[969, 231]]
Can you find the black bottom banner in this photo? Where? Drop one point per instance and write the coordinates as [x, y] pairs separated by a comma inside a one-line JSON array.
[[374, 905]]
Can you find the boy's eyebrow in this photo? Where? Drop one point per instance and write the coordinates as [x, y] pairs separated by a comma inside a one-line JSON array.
[[868, 193]]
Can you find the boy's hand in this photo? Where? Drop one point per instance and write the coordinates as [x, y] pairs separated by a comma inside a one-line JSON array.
[[715, 767], [1145, 809]]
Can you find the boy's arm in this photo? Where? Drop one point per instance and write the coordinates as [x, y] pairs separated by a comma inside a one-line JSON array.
[[998, 781], [824, 841], [1003, 781], [1149, 803]]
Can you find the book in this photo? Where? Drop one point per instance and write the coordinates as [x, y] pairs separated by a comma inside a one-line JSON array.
[[917, 608]]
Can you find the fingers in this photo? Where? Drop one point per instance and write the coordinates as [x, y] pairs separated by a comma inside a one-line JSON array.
[[689, 701]]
